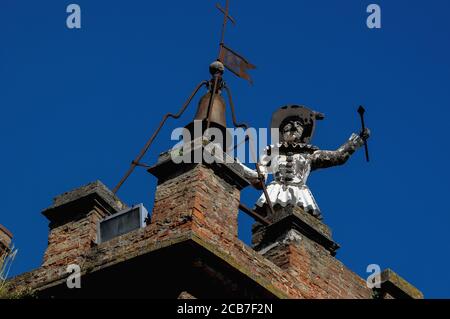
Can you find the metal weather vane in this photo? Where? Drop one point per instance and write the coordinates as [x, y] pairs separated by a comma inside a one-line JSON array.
[[226, 13], [233, 61], [239, 66]]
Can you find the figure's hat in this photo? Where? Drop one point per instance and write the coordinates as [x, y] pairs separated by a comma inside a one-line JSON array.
[[307, 117]]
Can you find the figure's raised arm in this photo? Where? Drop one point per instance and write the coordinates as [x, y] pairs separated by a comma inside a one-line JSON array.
[[324, 159]]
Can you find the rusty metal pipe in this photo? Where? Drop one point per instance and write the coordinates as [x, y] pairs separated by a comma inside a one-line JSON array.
[[253, 214], [233, 113], [155, 134], [258, 170], [211, 99]]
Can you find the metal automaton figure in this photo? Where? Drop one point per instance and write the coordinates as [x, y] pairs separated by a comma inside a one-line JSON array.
[[294, 158]]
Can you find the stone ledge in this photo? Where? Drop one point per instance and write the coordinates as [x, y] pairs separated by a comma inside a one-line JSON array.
[[224, 166], [246, 271], [80, 198], [397, 287], [297, 219], [43, 279]]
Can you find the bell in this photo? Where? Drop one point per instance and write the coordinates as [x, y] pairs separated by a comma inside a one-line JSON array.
[[218, 108]]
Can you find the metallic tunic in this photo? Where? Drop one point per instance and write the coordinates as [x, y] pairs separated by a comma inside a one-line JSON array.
[[291, 171]]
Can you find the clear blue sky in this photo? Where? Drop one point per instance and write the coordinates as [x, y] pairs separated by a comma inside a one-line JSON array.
[[77, 105]]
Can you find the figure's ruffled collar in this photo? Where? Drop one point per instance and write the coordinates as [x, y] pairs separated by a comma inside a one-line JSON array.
[[296, 147]]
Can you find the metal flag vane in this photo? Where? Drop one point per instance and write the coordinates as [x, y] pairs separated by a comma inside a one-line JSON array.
[[238, 65], [361, 112], [233, 61]]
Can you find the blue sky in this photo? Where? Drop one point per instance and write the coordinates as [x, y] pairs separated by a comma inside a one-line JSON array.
[[77, 105]]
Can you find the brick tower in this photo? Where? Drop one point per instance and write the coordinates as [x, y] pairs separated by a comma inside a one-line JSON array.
[[190, 246]]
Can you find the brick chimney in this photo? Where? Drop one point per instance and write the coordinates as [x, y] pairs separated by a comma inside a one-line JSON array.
[[303, 246], [5, 240], [200, 198], [73, 222]]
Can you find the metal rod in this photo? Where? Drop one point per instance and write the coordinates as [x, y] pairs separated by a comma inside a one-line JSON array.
[[266, 194], [224, 12], [141, 164], [225, 20], [233, 113], [253, 214], [361, 112], [246, 139], [155, 134], [211, 99], [258, 170]]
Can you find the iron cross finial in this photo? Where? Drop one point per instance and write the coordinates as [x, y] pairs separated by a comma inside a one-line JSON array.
[[226, 13]]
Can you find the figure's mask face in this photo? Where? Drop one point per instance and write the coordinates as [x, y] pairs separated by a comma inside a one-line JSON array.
[[292, 131]]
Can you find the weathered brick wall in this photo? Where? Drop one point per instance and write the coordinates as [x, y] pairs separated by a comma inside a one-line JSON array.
[[197, 206], [288, 271], [73, 220], [324, 275], [208, 205], [196, 203], [261, 269], [69, 242], [200, 196], [150, 239]]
